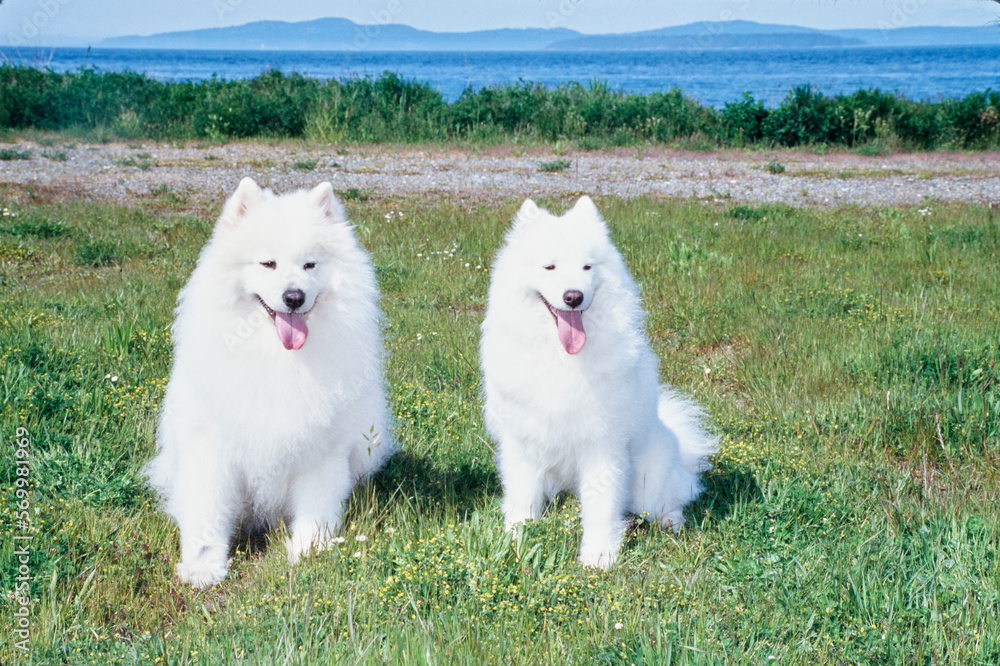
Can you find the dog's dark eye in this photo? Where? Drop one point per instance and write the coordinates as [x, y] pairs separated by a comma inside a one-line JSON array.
[[309, 265], [550, 267], [269, 264], [587, 267]]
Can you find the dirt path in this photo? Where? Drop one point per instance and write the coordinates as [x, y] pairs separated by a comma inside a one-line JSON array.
[[206, 173]]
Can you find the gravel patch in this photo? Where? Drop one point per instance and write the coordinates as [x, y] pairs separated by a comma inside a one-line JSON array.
[[207, 173]]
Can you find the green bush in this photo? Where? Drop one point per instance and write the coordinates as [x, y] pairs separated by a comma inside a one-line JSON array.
[[805, 117], [972, 121], [389, 108], [743, 121], [270, 105]]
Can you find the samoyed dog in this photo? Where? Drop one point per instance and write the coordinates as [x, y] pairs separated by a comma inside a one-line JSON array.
[[572, 392], [275, 407]]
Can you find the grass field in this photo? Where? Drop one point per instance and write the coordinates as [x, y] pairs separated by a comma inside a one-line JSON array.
[[848, 357]]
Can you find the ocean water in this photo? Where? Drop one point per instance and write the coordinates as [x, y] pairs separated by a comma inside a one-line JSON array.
[[713, 77]]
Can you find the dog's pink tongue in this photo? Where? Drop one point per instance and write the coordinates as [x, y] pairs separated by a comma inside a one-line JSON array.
[[292, 329], [571, 333]]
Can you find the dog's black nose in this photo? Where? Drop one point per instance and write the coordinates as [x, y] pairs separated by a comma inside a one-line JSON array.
[[294, 298], [573, 298]]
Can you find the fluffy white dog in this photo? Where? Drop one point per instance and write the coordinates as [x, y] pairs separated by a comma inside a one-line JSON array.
[[275, 407], [572, 391]]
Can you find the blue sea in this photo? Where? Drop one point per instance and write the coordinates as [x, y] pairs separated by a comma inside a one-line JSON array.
[[713, 77]]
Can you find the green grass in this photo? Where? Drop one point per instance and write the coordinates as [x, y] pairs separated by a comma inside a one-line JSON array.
[[306, 165], [55, 155], [555, 166], [359, 194], [142, 161], [774, 167], [849, 360], [9, 154]]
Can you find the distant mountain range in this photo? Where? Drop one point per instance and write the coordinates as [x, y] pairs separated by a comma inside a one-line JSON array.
[[337, 34]]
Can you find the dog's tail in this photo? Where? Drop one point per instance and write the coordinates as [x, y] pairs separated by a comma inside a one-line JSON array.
[[687, 421]]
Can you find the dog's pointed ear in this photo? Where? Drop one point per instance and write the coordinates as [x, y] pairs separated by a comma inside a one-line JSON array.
[[528, 213], [247, 193], [324, 198], [585, 205], [529, 209]]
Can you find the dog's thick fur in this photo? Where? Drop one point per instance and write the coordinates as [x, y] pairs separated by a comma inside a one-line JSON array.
[[572, 393], [275, 407]]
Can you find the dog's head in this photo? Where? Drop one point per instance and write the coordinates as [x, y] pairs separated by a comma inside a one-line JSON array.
[[283, 248], [562, 262]]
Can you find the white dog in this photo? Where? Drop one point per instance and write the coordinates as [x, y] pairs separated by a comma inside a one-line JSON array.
[[572, 388], [275, 407]]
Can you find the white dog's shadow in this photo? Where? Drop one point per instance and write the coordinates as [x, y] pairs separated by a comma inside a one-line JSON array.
[[725, 492], [463, 484], [254, 540]]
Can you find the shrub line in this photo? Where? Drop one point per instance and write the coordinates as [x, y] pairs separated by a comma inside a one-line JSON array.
[[388, 108]]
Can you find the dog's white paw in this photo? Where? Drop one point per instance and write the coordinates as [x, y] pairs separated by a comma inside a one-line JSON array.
[[201, 573], [299, 545], [601, 558], [512, 526], [673, 520], [514, 518]]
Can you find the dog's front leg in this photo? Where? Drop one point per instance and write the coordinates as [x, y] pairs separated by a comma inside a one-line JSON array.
[[602, 509], [318, 499], [206, 513], [523, 485]]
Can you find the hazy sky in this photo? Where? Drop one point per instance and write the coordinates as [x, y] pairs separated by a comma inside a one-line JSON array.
[[41, 20]]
